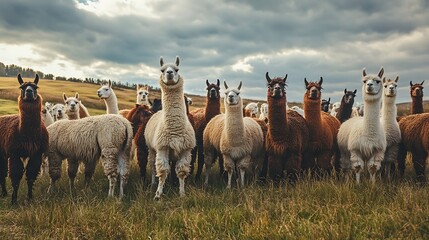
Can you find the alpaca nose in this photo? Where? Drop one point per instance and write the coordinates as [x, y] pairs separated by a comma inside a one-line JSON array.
[[370, 84], [29, 90], [276, 88], [170, 72]]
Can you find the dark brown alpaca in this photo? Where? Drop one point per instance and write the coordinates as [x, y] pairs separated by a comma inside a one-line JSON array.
[[23, 135], [287, 136], [416, 92], [323, 129], [326, 104], [346, 106], [415, 139], [201, 118], [139, 116]]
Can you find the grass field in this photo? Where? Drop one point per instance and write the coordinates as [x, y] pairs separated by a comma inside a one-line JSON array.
[[325, 209]]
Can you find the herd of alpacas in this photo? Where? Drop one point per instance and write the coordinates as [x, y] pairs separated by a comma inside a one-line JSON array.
[[271, 142]]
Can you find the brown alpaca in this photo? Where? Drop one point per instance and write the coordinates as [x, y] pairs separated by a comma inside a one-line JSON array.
[[23, 135], [415, 139], [201, 118], [323, 129], [287, 136], [416, 92], [346, 106], [139, 116]]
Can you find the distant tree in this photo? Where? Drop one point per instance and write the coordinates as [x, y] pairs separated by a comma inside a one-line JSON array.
[[49, 76], [2, 70], [61, 78]]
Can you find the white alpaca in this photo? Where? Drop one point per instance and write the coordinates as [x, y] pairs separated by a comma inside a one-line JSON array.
[[239, 140], [106, 93], [298, 110], [46, 116], [49, 106], [169, 135], [335, 107], [85, 140], [264, 112], [143, 95], [389, 123], [253, 108], [362, 140], [74, 107], [59, 112]]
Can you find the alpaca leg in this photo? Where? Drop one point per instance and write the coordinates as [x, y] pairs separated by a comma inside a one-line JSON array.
[[109, 160], [16, 170], [151, 159], [182, 170], [89, 172], [243, 165], [201, 161], [3, 174], [31, 172], [357, 164], [193, 158], [419, 162], [124, 170], [275, 168], [54, 166], [293, 166], [324, 164], [374, 164], [229, 167], [142, 158], [162, 169], [72, 167], [209, 158]]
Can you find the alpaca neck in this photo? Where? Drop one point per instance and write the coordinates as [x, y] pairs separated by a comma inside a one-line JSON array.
[[112, 104], [417, 105], [277, 121], [234, 126], [212, 108], [388, 109], [173, 104], [313, 114], [345, 111], [371, 115], [73, 115], [83, 111], [30, 116]]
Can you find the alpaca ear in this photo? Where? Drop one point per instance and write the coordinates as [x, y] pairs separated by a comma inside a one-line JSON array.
[[422, 82], [384, 79], [161, 61], [268, 77], [306, 83], [284, 79], [321, 81], [137, 86], [363, 72], [76, 95], [64, 97], [110, 83], [20, 79], [207, 83], [226, 85], [355, 91], [239, 85], [36, 80], [380, 74], [218, 82], [177, 61], [345, 90], [329, 100], [397, 79], [411, 83]]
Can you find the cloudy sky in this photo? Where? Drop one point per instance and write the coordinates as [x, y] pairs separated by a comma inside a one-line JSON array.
[[237, 40]]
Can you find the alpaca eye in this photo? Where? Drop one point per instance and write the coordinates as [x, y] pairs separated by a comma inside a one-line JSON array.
[[162, 70], [377, 81]]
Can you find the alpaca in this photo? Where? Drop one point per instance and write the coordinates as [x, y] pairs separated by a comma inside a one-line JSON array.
[[49, 106], [416, 92], [346, 106], [287, 136], [264, 112], [201, 118], [298, 110], [74, 107], [156, 105], [188, 100], [241, 141], [415, 139], [139, 116], [22, 136], [362, 140], [335, 107], [325, 104], [169, 135], [143, 95], [390, 125], [253, 107], [46, 116], [323, 129], [59, 112], [106, 93], [85, 140]]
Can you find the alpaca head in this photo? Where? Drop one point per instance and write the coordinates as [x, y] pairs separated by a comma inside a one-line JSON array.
[[188, 100], [28, 89], [213, 89], [105, 91], [416, 89], [142, 94], [170, 75], [72, 104], [49, 106], [140, 114], [45, 112], [276, 86], [264, 108], [390, 86], [325, 104], [254, 109], [59, 111], [156, 105], [349, 97], [313, 91], [232, 95], [371, 87]]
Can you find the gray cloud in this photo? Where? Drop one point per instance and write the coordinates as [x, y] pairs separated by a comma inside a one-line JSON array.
[[334, 39]]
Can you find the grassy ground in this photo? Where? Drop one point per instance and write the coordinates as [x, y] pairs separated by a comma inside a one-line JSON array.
[[326, 209]]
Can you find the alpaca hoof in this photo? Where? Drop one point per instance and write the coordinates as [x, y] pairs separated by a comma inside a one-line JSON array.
[[157, 198]]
